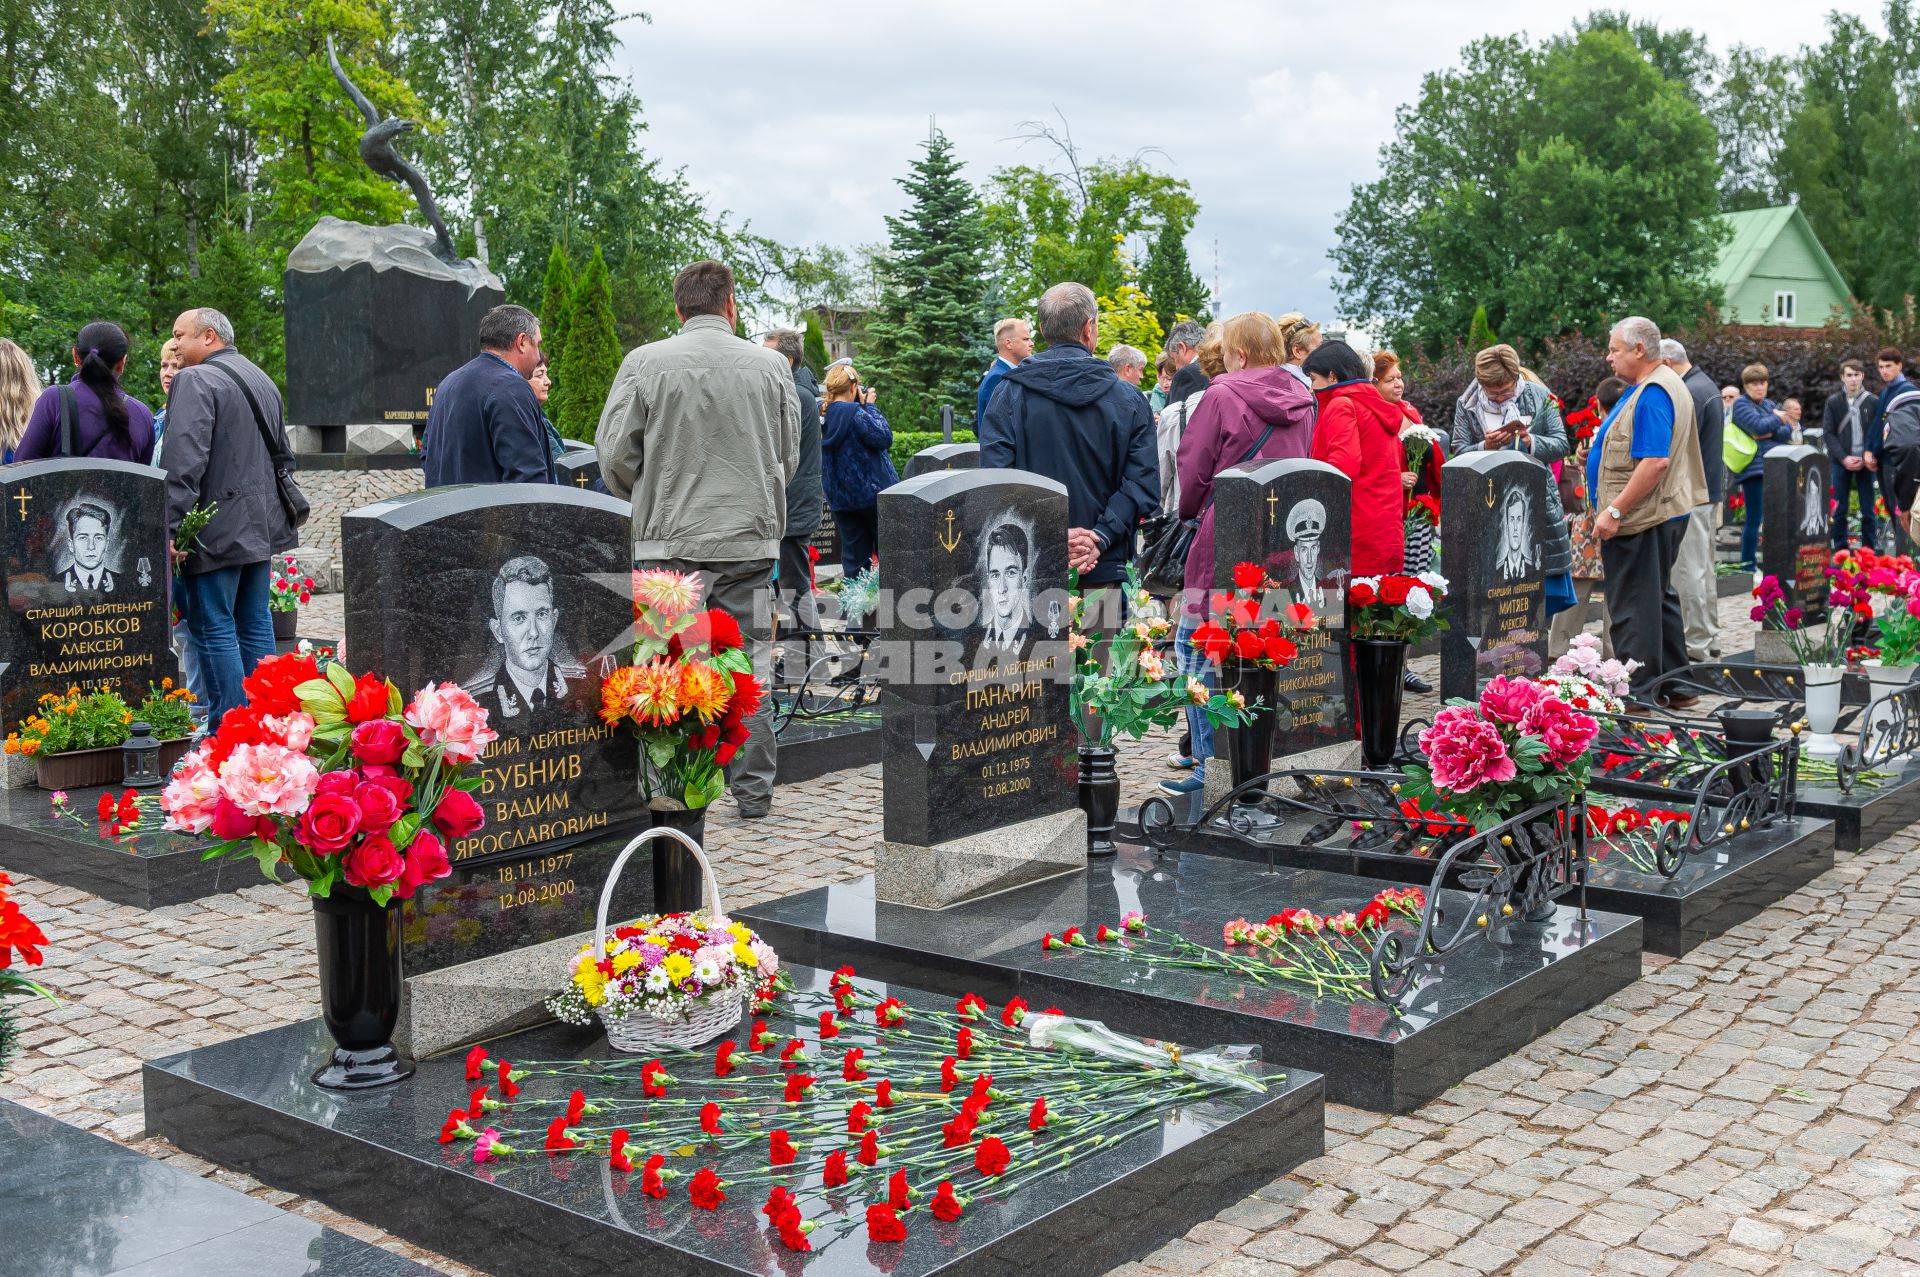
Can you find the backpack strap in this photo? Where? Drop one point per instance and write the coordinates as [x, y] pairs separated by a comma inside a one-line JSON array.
[[67, 413]]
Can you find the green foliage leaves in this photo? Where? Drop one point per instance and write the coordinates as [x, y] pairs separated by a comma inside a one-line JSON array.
[[591, 356]]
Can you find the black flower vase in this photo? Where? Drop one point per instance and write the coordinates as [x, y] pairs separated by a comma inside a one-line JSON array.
[[1250, 745], [1099, 797], [358, 944], [1379, 671], [678, 884]]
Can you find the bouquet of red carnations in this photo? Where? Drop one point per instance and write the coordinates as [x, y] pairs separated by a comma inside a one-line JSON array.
[[336, 777]]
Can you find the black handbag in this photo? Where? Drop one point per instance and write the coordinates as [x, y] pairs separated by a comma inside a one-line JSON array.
[[1167, 538], [292, 500]]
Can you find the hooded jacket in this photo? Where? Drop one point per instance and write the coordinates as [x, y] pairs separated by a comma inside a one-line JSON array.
[[1066, 415], [1358, 434], [1227, 421]]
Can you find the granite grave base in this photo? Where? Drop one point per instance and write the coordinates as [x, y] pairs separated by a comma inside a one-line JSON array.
[[77, 1205], [246, 1104], [1872, 811], [813, 747], [1478, 1004]]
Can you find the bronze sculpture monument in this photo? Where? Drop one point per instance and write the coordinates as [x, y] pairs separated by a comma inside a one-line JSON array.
[[376, 149]]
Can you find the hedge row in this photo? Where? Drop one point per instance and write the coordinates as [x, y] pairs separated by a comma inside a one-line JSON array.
[[908, 442]]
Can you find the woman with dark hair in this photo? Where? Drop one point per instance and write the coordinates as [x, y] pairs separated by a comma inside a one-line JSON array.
[[107, 421], [1358, 433]]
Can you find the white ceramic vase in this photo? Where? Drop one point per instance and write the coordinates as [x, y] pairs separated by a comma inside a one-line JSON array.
[[1823, 709], [1885, 679]]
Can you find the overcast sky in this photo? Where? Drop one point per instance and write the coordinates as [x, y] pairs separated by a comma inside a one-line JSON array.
[[799, 117]]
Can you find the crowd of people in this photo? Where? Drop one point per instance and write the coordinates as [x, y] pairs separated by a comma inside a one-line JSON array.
[[729, 451]]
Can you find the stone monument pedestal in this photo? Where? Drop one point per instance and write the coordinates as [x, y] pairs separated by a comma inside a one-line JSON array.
[[964, 869]]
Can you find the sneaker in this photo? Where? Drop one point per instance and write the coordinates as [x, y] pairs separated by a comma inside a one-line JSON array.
[[1417, 685], [1181, 788], [1180, 762]]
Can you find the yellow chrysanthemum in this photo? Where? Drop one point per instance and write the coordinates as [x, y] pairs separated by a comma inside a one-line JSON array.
[[678, 966], [593, 985], [658, 942], [744, 955], [625, 961]]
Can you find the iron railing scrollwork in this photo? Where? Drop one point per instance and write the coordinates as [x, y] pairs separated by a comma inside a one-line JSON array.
[[833, 682]]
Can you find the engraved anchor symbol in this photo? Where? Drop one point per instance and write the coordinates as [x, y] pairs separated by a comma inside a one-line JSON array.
[[950, 539], [1489, 494]]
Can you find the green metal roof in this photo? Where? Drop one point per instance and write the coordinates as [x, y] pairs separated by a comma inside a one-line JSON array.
[[1753, 234]]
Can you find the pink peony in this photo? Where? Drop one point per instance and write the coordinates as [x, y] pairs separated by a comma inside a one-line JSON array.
[[374, 863], [295, 731], [189, 798], [1464, 751], [1566, 731], [268, 780], [446, 716], [1507, 700], [379, 741]]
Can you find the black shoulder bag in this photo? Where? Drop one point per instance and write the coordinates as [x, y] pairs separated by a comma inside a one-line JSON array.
[[292, 500], [1162, 565]]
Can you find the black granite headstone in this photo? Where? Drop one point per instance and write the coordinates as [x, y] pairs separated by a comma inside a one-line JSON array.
[[1795, 545], [826, 538], [943, 456], [521, 593], [579, 467], [85, 546], [977, 729], [1293, 518], [374, 321], [1493, 534]]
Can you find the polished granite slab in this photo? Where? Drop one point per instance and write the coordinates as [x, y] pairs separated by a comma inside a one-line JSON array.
[[812, 747], [76, 1205], [146, 869], [1866, 816], [246, 1104], [1476, 1005]]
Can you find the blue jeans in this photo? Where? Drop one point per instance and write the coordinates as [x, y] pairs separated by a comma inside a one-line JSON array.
[[229, 630], [1843, 481], [1751, 489], [1190, 662]]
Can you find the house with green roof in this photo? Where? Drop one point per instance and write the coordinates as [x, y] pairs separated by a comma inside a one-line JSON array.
[[1772, 270]]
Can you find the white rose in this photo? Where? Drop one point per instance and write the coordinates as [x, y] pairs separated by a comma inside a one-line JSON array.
[[1434, 581], [1419, 603]]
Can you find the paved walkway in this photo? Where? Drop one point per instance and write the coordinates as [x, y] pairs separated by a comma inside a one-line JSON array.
[[1751, 1108]]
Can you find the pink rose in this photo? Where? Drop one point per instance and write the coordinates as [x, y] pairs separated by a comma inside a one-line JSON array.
[[231, 823], [445, 716], [378, 807], [374, 863], [336, 783], [426, 862], [268, 780], [379, 741], [1465, 751], [329, 824], [1566, 731], [458, 815], [390, 780], [1507, 700]]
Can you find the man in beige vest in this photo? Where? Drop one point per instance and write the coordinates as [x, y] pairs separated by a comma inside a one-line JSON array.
[[1646, 477]]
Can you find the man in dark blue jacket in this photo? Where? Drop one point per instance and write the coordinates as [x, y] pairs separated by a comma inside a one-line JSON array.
[[1066, 415], [485, 424]]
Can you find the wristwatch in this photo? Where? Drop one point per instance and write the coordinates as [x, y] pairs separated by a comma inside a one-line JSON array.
[[1613, 512]]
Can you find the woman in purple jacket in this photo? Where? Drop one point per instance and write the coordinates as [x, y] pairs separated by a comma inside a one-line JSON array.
[[107, 421], [1230, 428]]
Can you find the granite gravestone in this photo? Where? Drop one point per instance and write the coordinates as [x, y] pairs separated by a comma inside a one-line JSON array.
[[826, 539], [978, 764], [943, 456], [85, 546], [1293, 519], [579, 467], [1795, 543], [1494, 535], [374, 321], [520, 593]]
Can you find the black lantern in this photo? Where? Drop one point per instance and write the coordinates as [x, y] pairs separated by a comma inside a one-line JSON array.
[[140, 759]]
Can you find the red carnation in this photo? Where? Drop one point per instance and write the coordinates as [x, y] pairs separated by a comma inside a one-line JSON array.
[[898, 1195], [1016, 1010], [945, 1205], [834, 1173], [991, 1158], [617, 1152], [797, 1084], [883, 1225], [476, 1061], [650, 1182], [1037, 1117], [758, 1039], [965, 1045], [705, 1190], [508, 1087], [780, 1150], [850, 1069], [710, 1118], [883, 1094], [947, 1075], [653, 1079], [869, 1149], [1248, 576], [828, 1029], [857, 1117], [576, 1107], [557, 1138], [723, 1058]]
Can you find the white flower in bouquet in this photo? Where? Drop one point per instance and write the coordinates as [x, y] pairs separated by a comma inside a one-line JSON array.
[[658, 980], [1419, 603], [1582, 659], [1584, 694], [1433, 581]]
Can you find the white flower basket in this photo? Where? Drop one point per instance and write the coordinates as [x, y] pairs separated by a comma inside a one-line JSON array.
[[638, 1033]]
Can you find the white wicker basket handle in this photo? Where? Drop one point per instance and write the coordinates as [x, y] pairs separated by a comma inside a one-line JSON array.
[[613, 878]]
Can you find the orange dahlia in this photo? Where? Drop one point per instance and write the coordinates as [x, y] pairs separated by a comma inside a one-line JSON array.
[[704, 690], [654, 700]]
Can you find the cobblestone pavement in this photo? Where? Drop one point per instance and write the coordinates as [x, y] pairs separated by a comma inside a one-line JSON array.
[[1751, 1108]]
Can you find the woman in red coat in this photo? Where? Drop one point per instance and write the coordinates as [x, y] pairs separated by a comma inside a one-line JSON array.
[[1358, 433]]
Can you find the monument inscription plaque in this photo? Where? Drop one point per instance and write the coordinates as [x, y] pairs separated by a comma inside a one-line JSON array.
[[977, 735], [1494, 535], [1293, 518], [85, 546], [1795, 543], [521, 594]]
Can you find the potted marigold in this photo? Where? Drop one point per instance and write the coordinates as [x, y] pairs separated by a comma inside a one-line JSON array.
[[687, 696], [168, 713], [1385, 616], [73, 739]]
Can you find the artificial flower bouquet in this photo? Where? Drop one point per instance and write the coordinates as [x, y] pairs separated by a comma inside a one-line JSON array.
[[669, 968], [290, 589], [687, 694], [1423, 514], [1239, 625], [1396, 606], [1518, 746], [336, 777], [1891, 588], [1581, 664], [1824, 646], [1127, 684], [19, 935]]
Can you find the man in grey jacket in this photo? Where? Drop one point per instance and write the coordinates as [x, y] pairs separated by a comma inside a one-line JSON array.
[[701, 432], [221, 413]]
